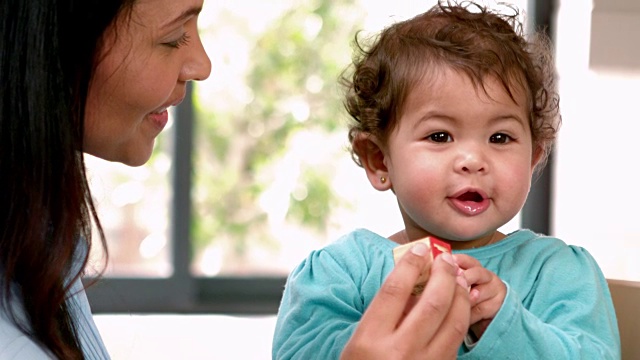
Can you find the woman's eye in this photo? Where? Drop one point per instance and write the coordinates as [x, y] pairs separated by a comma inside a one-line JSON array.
[[183, 40], [440, 137], [500, 138]]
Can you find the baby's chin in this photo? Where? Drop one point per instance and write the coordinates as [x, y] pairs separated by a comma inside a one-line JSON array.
[[469, 241]]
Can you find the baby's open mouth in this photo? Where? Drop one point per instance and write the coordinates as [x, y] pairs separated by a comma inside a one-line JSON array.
[[470, 196], [471, 202]]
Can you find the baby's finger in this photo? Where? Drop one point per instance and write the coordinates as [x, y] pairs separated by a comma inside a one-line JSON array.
[[465, 261], [478, 275], [479, 312], [486, 300], [484, 292]]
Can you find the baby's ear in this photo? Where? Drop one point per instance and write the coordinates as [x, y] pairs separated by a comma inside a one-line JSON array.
[[371, 154], [538, 154]]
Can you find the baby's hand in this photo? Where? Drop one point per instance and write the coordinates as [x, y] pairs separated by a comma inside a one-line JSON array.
[[486, 295]]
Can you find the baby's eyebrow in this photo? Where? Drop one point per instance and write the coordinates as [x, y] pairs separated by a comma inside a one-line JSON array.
[[433, 114], [510, 118], [443, 117]]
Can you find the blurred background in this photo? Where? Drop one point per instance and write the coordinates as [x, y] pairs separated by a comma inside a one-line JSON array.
[[253, 172]]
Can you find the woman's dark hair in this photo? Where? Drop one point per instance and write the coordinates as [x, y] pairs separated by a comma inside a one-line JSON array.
[[48, 52], [466, 37]]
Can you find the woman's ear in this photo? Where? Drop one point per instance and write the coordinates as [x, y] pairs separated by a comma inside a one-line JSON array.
[[372, 157]]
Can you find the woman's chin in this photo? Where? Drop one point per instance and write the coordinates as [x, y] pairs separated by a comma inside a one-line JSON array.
[[139, 159], [133, 158]]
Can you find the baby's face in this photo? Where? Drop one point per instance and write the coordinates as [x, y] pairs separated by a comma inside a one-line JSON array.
[[460, 160]]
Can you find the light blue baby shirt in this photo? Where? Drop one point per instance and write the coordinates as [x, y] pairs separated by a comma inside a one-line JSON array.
[[557, 306]]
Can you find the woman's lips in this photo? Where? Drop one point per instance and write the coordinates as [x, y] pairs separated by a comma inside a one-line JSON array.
[[470, 203], [159, 119]]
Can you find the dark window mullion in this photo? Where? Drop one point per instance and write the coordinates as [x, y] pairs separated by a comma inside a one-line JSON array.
[[182, 283], [537, 211]]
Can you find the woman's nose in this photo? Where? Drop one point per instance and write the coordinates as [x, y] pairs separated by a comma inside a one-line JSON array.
[[198, 65]]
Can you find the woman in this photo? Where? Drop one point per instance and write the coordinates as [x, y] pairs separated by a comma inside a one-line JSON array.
[[92, 76]]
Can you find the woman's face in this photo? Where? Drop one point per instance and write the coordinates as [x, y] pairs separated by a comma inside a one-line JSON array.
[[143, 69]]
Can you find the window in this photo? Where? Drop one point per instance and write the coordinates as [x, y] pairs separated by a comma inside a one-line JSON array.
[[252, 173]]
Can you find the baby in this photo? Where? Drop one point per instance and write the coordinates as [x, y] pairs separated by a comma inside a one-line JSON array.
[[454, 111]]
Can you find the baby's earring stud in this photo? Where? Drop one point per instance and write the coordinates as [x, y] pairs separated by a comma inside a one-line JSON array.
[[383, 179]]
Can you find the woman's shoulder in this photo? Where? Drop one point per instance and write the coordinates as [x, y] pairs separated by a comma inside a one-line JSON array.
[[14, 344], [19, 346]]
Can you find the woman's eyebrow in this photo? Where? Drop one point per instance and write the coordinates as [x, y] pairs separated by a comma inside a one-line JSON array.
[[194, 11]]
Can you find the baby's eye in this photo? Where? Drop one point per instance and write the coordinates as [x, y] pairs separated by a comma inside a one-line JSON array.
[[500, 138], [440, 137]]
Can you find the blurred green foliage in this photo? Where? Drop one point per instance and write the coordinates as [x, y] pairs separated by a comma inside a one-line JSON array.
[[293, 73]]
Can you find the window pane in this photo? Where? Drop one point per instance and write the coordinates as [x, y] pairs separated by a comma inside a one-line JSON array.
[[596, 174], [272, 178]]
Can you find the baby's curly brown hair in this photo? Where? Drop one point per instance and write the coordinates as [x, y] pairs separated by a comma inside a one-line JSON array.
[[466, 37]]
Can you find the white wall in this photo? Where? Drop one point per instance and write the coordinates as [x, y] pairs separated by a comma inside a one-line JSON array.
[[597, 192]]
